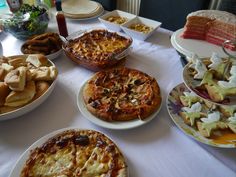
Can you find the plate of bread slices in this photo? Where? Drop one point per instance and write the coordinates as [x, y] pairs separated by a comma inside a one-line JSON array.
[[212, 78], [202, 120], [25, 82]]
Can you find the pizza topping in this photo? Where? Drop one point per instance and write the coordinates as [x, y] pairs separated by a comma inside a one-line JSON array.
[[106, 91], [95, 104], [62, 142], [82, 140], [138, 82], [110, 148], [101, 143]]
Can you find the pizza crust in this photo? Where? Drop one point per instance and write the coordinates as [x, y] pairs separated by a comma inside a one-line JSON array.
[[122, 94]]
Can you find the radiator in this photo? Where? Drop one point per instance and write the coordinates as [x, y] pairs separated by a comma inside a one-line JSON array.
[[131, 6]]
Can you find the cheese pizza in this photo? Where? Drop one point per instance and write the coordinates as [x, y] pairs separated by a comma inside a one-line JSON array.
[[121, 94], [76, 153]]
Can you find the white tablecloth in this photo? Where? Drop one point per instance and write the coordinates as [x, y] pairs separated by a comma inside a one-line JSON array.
[[156, 149]]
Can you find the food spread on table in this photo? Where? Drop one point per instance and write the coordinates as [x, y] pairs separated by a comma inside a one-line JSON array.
[[117, 93]]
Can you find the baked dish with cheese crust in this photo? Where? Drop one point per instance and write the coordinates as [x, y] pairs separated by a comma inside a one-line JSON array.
[[76, 153], [122, 94], [98, 49]]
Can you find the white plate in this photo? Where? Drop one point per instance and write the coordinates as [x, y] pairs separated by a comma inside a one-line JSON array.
[[116, 125], [192, 84], [21, 161], [29, 107], [174, 106], [193, 46], [80, 7], [86, 18]]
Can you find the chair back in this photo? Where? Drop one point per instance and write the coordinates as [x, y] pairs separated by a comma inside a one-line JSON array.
[[172, 13], [108, 4]]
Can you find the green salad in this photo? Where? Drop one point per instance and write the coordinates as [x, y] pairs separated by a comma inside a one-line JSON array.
[[27, 21]]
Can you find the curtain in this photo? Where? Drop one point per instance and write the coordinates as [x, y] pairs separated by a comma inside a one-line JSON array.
[[131, 6]]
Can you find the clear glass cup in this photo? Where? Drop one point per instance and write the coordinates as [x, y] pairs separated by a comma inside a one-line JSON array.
[[230, 54], [1, 50]]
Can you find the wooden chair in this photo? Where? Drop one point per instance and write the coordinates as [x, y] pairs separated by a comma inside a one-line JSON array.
[[172, 13], [108, 4]]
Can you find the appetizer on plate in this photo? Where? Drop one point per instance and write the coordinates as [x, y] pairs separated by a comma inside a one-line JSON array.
[[205, 121], [122, 94], [46, 44], [23, 79], [75, 152], [140, 27], [117, 19], [213, 78], [98, 49]]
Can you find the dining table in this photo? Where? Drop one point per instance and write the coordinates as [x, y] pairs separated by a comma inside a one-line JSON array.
[[155, 149]]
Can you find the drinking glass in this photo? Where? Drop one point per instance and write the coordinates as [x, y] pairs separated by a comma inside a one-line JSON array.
[[232, 54]]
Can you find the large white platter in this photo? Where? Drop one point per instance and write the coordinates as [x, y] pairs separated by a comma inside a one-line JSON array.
[[174, 106], [116, 125], [193, 46]]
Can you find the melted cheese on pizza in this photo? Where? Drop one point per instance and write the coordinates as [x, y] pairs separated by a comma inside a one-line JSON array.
[[65, 157], [125, 91], [94, 165], [46, 166], [85, 154]]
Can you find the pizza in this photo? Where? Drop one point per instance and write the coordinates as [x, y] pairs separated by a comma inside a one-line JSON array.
[[122, 94], [97, 49], [76, 153]]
